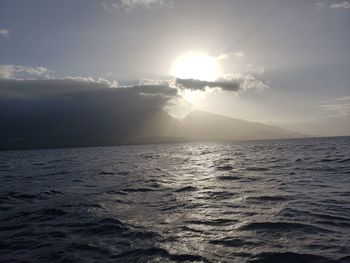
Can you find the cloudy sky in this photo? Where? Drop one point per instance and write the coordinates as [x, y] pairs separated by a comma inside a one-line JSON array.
[[274, 61]]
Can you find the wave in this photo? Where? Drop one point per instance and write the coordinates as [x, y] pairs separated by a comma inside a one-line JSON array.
[[229, 178], [106, 173], [321, 218], [268, 198], [123, 173], [347, 160], [138, 189], [53, 192], [257, 169], [282, 227], [186, 189], [25, 196], [217, 195], [214, 222], [224, 168], [276, 257], [233, 242], [147, 254], [227, 202]]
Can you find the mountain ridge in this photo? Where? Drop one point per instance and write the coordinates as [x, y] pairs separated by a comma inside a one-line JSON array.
[[209, 125], [106, 127]]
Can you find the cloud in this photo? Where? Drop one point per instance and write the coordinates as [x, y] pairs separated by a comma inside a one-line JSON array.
[[79, 112], [22, 72], [231, 55], [344, 5], [240, 54], [195, 84], [340, 106], [4, 32], [25, 82], [233, 82], [109, 83], [111, 5], [45, 88], [333, 4], [248, 80], [331, 125], [345, 98], [152, 90], [85, 92]]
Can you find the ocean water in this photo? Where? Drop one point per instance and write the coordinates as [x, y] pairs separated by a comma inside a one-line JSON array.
[[256, 201]]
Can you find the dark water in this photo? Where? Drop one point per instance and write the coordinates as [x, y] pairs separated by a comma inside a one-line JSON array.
[[267, 201]]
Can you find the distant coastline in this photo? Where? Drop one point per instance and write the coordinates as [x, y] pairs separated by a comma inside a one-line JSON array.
[[166, 141]]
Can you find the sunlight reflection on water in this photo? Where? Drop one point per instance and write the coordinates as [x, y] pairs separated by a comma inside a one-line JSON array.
[[175, 202]]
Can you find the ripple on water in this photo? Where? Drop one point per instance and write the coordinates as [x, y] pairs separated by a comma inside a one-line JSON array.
[[261, 201], [282, 227]]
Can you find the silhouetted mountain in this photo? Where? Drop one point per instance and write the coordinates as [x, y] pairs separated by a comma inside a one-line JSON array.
[[209, 126], [77, 127], [83, 127]]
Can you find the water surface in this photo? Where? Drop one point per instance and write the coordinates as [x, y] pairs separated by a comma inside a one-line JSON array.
[[256, 201]]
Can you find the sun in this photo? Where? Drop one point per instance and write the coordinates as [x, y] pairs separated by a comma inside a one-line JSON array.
[[195, 65]]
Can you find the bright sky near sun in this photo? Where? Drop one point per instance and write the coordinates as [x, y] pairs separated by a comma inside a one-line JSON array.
[[196, 65], [290, 59]]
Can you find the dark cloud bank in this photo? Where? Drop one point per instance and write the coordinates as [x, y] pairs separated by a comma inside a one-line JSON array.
[[195, 84], [78, 112], [69, 112]]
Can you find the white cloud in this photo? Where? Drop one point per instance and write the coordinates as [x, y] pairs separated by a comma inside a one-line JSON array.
[[343, 98], [339, 106], [248, 80], [333, 4], [156, 82], [230, 55], [22, 72], [237, 82], [103, 81], [4, 32], [240, 54], [111, 5], [344, 5]]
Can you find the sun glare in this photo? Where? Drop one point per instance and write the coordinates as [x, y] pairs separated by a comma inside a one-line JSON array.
[[195, 65], [193, 97]]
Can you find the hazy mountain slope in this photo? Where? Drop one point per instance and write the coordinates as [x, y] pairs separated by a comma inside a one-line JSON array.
[[204, 125], [159, 126], [107, 126], [84, 127]]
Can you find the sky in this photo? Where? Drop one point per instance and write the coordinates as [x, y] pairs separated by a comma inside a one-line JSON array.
[[280, 62]]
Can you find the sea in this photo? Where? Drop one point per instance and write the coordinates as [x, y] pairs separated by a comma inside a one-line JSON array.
[[248, 201]]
